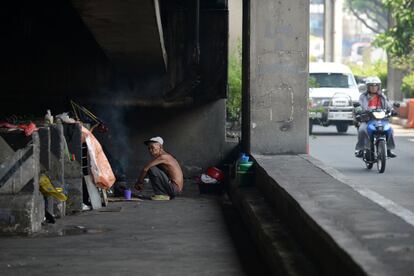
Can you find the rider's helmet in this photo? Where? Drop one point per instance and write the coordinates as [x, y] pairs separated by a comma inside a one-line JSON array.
[[373, 81]]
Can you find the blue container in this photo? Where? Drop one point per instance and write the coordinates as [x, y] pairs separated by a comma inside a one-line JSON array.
[[127, 194]]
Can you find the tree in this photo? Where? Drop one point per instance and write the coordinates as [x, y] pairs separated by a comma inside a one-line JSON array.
[[234, 84], [372, 13], [398, 40]]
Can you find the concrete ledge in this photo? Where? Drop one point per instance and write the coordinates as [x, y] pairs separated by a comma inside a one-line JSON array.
[[343, 232], [280, 251], [21, 213]]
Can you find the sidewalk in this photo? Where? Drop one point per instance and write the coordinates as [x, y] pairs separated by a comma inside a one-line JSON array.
[[185, 236], [344, 232], [402, 131]]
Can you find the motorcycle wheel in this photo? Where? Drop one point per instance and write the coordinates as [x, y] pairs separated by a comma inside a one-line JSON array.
[[381, 156], [368, 156], [369, 165]]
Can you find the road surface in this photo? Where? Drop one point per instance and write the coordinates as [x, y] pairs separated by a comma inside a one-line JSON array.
[[394, 189]]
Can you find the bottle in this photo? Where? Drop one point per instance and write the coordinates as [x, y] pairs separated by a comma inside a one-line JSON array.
[[48, 117]]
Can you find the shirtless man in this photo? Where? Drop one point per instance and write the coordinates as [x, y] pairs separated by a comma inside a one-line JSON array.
[[163, 171]]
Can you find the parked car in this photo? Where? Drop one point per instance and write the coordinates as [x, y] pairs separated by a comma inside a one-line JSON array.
[[332, 92]]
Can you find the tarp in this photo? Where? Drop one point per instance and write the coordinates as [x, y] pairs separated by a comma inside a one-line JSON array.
[[102, 173]]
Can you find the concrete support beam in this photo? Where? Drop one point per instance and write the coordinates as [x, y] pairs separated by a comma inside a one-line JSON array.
[[44, 135], [73, 169], [21, 204], [278, 38], [57, 149], [20, 168], [57, 169]]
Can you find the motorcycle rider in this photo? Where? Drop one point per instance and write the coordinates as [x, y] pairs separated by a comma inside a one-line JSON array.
[[372, 99]]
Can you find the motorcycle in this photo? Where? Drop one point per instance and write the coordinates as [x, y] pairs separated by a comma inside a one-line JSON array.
[[378, 128]]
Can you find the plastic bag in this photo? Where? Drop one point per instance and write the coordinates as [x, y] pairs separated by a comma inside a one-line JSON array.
[[102, 173], [65, 118], [208, 179], [47, 189]]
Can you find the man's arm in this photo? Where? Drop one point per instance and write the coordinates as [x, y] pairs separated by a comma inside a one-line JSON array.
[[155, 162], [363, 102], [388, 105]]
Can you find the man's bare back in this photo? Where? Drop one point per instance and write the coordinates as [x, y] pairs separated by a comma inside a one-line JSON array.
[[166, 162], [171, 167]]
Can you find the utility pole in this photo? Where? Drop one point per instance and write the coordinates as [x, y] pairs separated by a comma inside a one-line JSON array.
[[394, 76], [329, 30], [333, 30]]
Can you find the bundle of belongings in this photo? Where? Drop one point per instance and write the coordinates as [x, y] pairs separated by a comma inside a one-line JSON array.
[[211, 181], [101, 170]]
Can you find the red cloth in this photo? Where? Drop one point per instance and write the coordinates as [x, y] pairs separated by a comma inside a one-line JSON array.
[[28, 129], [374, 102], [7, 125]]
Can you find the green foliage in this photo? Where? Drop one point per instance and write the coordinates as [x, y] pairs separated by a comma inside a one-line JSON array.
[[398, 41], [312, 83], [235, 83], [408, 86], [375, 11], [378, 69]]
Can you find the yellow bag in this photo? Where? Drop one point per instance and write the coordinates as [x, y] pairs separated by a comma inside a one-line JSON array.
[[47, 189]]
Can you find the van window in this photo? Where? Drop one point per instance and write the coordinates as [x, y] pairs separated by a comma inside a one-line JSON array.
[[331, 80]]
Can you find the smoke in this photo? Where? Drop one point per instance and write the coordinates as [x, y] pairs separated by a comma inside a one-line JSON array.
[[117, 109]]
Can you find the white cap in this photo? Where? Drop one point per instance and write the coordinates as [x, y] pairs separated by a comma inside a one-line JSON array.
[[157, 139]]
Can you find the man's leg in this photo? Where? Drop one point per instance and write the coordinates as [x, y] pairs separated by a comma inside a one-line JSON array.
[[362, 140], [160, 182], [391, 145]]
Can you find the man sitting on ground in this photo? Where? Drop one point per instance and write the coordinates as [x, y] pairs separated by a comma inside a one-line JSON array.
[[163, 171]]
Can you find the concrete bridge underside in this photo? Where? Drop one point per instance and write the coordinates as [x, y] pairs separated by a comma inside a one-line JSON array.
[[129, 32]]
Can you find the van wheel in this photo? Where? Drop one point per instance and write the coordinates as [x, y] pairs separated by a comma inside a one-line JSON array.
[[342, 128], [310, 127]]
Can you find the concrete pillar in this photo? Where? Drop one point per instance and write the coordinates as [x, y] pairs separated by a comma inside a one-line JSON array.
[[57, 169], [73, 169], [276, 75], [57, 149]]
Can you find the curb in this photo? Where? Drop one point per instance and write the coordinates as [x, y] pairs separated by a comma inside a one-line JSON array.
[[278, 248]]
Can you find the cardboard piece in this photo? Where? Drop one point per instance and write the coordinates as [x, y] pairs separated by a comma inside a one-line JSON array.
[[93, 192]]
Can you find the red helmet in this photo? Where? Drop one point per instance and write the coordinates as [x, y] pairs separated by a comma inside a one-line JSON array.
[[215, 173]]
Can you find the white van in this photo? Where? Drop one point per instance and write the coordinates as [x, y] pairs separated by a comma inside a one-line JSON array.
[[332, 92]]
